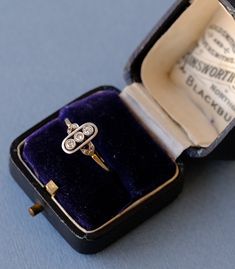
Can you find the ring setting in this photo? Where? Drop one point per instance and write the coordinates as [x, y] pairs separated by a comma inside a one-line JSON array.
[[80, 138]]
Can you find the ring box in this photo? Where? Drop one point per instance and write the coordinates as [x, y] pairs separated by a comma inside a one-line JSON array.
[[177, 106]]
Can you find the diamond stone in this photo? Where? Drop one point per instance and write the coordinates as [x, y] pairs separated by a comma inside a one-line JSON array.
[[70, 144], [88, 130], [79, 137]]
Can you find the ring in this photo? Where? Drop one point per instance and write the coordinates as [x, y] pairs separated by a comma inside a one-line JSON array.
[[79, 138]]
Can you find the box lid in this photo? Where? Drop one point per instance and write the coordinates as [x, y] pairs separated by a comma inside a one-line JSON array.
[[221, 148]]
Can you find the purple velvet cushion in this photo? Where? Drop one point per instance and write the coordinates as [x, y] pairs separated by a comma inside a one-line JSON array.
[[89, 194]]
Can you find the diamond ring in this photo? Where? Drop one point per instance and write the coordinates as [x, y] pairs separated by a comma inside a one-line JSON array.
[[79, 138]]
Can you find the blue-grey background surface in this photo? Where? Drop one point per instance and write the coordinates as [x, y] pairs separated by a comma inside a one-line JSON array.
[[51, 52]]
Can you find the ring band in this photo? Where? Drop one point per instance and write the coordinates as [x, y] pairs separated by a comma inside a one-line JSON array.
[[80, 138]]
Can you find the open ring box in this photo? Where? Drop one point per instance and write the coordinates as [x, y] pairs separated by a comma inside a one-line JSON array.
[[178, 105]]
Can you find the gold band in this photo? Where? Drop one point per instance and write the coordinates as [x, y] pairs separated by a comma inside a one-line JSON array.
[[89, 150], [99, 161]]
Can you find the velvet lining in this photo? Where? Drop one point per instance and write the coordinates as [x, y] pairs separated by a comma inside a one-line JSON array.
[[89, 194]]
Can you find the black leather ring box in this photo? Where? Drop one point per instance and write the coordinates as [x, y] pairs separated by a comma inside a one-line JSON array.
[[147, 132]]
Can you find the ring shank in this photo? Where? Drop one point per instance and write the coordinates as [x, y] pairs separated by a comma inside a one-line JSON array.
[[99, 161]]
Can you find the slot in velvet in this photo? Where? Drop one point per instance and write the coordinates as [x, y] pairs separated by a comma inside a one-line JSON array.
[[89, 194]]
